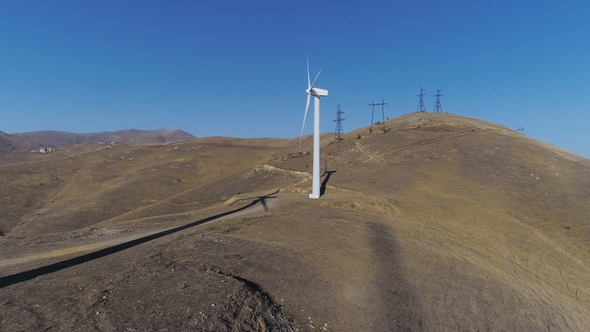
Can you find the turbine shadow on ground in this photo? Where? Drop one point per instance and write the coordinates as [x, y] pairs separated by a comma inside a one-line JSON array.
[[34, 273]]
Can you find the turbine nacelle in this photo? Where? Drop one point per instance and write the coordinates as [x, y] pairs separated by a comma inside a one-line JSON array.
[[317, 92]]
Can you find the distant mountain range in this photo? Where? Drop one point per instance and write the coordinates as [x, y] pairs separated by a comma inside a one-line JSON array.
[[11, 143], [54, 139]]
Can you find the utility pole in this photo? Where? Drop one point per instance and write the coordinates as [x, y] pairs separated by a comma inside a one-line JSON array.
[[339, 131], [372, 114], [520, 130], [437, 107], [421, 102], [382, 104]]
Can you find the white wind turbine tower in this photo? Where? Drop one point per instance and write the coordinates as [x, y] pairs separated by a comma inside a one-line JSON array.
[[317, 93]]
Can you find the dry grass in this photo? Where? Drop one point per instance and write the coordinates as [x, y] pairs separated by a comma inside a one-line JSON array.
[[441, 223]]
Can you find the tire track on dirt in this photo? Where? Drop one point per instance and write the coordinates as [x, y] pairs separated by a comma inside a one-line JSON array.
[[364, 151], [430, 141], [380, 158]]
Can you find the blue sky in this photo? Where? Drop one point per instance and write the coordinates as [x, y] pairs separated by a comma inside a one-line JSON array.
[[237, 68]]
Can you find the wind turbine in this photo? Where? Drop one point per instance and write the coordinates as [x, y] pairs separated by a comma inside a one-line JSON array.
[[317, 93]]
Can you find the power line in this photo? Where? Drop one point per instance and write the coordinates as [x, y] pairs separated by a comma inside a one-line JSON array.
[[421, 102], [339, 130], [437, 106]]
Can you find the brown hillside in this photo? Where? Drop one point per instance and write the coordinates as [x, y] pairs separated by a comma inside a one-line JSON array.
[[12, 143], [440, 223]]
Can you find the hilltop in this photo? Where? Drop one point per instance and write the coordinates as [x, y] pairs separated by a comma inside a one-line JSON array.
[[436, 223]]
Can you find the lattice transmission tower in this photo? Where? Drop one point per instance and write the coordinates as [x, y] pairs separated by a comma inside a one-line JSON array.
[[437, 107], [339, 130], [421, 102]]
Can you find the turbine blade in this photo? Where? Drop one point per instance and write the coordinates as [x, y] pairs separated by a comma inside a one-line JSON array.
[[308, 85], [304, 117], [316, 77]]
